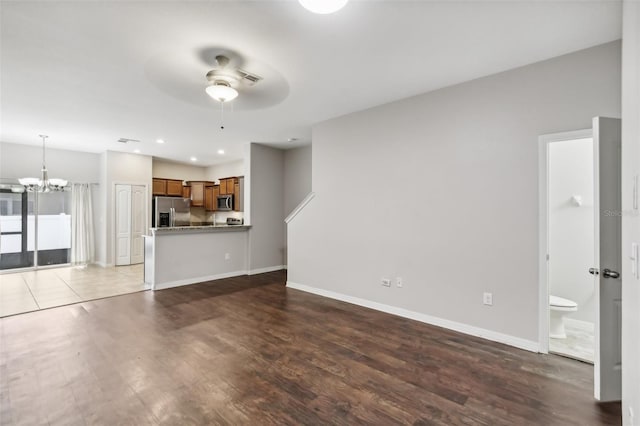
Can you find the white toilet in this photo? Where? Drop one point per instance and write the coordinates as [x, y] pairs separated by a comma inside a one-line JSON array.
[[559, 307]]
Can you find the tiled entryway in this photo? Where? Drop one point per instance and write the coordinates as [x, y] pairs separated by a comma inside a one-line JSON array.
[[46, 288]]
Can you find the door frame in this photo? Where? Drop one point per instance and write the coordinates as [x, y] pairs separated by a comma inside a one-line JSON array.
[[543, 228]]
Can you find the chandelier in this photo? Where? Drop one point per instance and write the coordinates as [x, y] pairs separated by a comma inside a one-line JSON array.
[[44, 184]]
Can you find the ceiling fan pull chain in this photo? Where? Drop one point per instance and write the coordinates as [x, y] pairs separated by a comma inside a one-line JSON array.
[[221, 115]]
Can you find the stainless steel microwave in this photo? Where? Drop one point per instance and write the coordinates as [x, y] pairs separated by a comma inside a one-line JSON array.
[[224, 203]]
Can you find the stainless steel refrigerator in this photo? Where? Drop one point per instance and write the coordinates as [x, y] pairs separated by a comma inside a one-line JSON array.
[[171, 211]]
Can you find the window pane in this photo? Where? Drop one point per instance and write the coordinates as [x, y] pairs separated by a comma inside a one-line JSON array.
[[11, 236], [54, 228]]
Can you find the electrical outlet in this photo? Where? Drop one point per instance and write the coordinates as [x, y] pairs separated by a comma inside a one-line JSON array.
[[386, 282], [487, 299], [227, 256], [399, 282]]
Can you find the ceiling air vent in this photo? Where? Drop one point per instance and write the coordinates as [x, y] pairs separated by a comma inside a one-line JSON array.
[[127, 140], [251, 79]]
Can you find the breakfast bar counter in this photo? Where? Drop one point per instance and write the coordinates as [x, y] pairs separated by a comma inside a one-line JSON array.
[[182, 255]]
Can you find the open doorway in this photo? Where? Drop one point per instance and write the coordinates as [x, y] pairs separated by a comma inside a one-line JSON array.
[[570, 230], [597, 283]]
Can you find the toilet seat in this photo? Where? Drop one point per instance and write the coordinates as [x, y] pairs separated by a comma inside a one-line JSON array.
[[560, 302]]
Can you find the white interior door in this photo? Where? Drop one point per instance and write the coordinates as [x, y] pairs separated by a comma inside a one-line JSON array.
[[138, 222], [607, 259], [123, 224]]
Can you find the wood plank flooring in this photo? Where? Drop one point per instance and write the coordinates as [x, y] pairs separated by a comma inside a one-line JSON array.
[[248, 350]]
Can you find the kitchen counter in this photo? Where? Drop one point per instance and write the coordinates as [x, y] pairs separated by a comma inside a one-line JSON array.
[[182, 255], [199, 228]]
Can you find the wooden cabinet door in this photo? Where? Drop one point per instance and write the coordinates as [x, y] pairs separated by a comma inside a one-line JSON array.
[[209, 199], [197, 194], [159, 186], [174, 188], [237, 202], [223, 187], [186, 192], [216, 193], [230, 185]]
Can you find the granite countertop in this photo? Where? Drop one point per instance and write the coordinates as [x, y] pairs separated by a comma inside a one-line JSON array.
[[200, 228]]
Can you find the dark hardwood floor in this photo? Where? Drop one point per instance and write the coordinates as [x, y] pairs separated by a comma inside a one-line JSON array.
[[249, 351]]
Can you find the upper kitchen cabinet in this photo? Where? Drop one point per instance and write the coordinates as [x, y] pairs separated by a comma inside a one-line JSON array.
[[227, 185], [209, 200], [174, 188], [167, 187], [159, 186], [238, 202], [186, 191], [198, 193]]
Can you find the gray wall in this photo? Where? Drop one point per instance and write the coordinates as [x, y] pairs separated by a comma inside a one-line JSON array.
[[224, 170], [171, 170], [441, 190], [266, 180], [297, 176]]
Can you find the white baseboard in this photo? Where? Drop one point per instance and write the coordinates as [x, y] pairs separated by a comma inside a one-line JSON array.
[[579, 324], [196, 280], [494, 336], [263, 270]]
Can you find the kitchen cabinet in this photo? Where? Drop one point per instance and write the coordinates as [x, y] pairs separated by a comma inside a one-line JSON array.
[[167, 187], [209, 199], [237, 203], [223, 186], [186, 191], [159, 186], [216, 193], [198, 192], [227, 185], [174, 188]]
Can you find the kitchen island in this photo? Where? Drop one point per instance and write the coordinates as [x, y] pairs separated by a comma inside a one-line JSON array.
[[184, 255]]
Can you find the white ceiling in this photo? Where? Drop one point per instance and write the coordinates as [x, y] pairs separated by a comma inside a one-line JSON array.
[[88, 73]]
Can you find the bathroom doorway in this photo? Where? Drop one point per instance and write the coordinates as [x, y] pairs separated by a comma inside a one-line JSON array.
[[577, 290], [570, 228]]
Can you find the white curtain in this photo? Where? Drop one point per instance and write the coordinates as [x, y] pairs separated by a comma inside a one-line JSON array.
[[82, 237]]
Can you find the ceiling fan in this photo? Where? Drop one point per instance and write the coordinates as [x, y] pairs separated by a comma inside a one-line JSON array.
[[225, 80]]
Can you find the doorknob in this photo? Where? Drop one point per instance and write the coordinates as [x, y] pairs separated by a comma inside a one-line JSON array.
[[594, 271], [608, 273]]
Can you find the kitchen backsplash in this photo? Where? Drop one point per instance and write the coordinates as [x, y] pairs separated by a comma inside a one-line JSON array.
[[199, 214], [221, 217]]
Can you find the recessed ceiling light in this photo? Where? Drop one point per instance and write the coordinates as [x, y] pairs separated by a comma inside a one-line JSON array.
[[292, 139], [221, 151], [323, 6], [137, 151], [159, 140], [193, 159]]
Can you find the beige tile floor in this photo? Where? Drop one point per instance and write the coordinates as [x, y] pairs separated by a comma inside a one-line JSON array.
[[33, 290], [579, 343]]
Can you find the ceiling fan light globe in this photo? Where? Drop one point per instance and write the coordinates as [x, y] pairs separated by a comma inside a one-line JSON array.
[[59, 183], [222, 93], [29, 181], [323, 7]]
